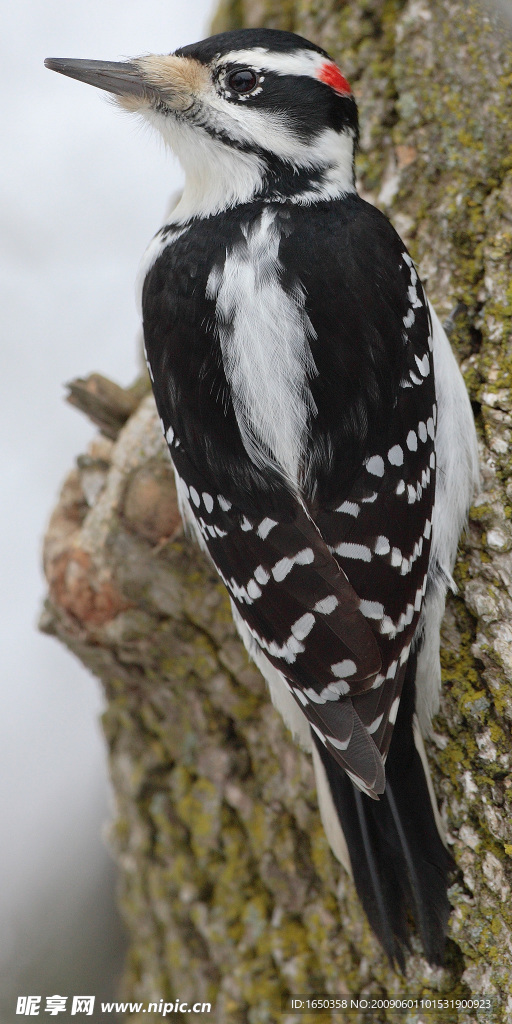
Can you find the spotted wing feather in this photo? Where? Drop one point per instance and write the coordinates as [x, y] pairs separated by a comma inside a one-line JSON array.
[[380, 529], [301, 610]]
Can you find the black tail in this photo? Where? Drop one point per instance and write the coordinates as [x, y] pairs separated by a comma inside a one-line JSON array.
[[400, 866]]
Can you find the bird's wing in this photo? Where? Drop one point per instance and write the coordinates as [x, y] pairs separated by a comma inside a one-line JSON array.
[[299, 608], [372, 449]]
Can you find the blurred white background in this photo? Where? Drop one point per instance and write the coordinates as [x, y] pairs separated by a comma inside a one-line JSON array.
[[82, 190]]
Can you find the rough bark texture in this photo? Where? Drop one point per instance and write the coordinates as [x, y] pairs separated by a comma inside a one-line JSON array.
[[228, 887]]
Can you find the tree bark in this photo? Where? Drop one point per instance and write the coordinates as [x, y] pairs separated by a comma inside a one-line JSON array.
[[228, 887]]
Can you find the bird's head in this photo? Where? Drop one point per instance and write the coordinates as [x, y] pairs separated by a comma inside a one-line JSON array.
[[250, 113]]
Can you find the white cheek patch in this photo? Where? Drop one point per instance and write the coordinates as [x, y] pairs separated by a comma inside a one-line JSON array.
[[274, 131]]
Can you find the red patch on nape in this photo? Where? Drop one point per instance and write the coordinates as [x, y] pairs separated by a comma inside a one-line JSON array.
[[331, 75]]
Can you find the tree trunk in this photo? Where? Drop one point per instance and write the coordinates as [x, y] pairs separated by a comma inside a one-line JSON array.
[[229, 890]]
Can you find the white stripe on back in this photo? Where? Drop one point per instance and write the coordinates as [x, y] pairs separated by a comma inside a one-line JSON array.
[[264, 332]]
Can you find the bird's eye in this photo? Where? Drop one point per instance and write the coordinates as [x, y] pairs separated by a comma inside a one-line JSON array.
[[242, 81]]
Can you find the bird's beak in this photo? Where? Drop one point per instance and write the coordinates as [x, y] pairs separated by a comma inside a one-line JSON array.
[[118, 77], [175, 81]]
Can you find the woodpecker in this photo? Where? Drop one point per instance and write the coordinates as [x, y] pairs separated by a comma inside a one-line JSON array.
[[320, 430]]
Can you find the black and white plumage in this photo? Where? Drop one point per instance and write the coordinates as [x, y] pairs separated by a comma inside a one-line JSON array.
[[320, 431]]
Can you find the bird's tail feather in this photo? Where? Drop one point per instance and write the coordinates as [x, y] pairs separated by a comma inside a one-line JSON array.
[[400, 865]]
